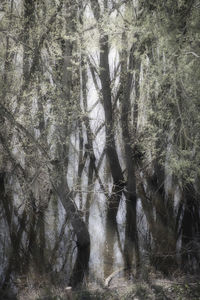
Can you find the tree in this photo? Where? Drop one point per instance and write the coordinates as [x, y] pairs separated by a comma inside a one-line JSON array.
[[134, 138]]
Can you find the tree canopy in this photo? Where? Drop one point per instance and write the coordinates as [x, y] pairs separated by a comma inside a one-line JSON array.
[[99, 138]]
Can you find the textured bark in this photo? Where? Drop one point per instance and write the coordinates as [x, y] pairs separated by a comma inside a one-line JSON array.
[[111, 152], [131, 236]]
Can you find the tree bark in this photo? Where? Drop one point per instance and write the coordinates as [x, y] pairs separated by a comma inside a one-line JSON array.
[[111, 152], [131, 235]]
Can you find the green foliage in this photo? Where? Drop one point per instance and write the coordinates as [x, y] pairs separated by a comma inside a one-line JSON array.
[[42, 60], [172, 76]]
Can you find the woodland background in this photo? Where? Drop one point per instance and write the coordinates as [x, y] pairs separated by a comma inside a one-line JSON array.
[[99, 139]]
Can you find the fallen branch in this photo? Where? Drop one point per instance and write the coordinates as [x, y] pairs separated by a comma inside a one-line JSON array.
[[111, 276]]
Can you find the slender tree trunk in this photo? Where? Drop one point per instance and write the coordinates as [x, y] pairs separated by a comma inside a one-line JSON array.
[[131, 236], [115, 168], [111, 152]]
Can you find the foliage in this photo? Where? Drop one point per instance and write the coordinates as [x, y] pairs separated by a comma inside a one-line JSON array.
[[99, 104]]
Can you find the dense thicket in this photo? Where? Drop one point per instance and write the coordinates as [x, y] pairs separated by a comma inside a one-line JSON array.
[[99, 138]]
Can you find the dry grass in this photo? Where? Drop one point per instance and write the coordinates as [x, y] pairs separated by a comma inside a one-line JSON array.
[[156, 288]]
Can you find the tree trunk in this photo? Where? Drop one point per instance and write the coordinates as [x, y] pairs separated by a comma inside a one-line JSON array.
[[190, 230], [115, 168], [131, 235]]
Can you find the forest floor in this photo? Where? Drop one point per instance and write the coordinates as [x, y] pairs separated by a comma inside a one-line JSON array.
[[179, 288]]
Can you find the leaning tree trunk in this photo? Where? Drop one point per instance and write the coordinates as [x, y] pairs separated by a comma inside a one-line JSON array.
[[111, 152], [116, 171], [80, 229]]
